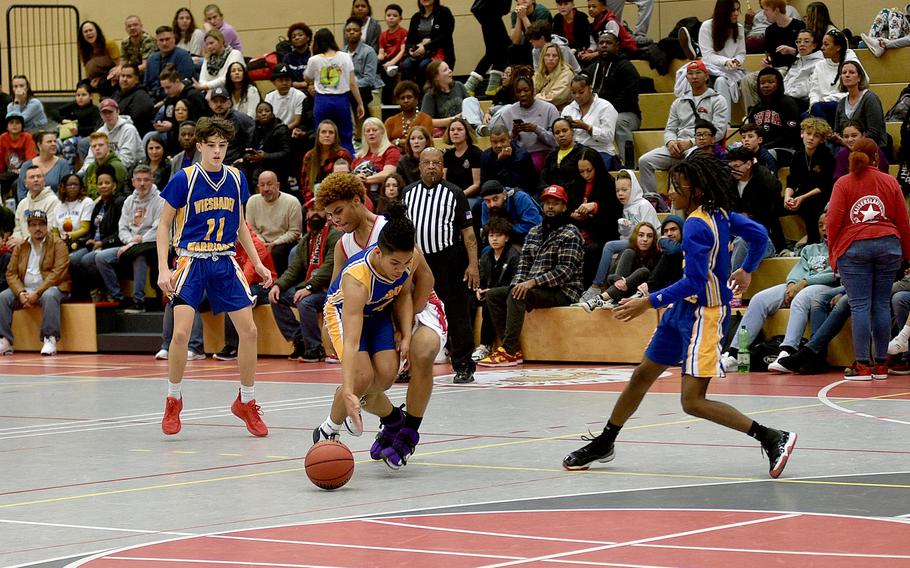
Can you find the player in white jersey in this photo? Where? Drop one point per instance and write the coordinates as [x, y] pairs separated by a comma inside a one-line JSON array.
[[342, 196]]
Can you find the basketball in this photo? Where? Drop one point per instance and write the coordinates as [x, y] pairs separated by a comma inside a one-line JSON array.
[[329, 464]]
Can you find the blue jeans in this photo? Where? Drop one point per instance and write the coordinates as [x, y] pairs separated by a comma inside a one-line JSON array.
[[49, 301], [167, 330], [900, 305], [867, 270], [769, 300], [606, 259], [309, 308], [414, 69], [827, 321], [741, 248], [106, 263]]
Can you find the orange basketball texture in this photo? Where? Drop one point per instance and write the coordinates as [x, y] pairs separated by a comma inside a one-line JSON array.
[[329, 464]]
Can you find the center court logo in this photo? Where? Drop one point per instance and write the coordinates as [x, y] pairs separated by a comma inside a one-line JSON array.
[[548, 377]]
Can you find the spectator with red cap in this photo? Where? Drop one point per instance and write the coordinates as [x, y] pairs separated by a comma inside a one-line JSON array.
[[549, 275]]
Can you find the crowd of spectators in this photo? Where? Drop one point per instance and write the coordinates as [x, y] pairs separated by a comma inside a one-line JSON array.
[[551, 213]]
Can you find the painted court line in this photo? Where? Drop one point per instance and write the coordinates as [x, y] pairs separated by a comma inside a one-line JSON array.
[[642, 541], [486, 533], [94, 528], [225, 562], [823, 397]]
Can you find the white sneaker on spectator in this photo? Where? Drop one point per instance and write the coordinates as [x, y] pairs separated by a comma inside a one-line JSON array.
[[193, 356], [6, 348], [50, 346], [777, 366], [480, 352], [874, 44], [161, 355], [897, 345], [729, 363], [587, 295]]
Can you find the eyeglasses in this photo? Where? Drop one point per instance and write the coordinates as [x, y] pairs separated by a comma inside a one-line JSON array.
[[430, 162]]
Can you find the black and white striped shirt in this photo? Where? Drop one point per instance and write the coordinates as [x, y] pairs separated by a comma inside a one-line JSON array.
[[439, 213]]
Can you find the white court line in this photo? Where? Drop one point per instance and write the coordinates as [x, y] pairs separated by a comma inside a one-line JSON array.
[[823, 397], [486, 533], [776, 551], [641, 541], [95, 528]]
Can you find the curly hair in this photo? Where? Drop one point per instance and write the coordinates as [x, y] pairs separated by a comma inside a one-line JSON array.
[[710, 176], [339, 187]]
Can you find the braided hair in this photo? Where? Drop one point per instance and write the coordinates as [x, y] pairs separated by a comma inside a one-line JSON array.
[[398, 234], [711, 176]]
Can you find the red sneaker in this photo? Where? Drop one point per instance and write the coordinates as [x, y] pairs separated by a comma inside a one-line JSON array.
[[170, 424], [249, 412], [879, 371]]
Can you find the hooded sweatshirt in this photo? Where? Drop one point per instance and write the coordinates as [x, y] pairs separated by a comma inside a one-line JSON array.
[[709, 106], [798, 78], [813, 266], [140, 216], [45, 201], [638, 209], [125, 142], [825, 83]]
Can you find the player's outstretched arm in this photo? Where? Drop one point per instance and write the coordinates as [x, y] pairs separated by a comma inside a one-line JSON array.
[[355, 299], [162, 242], [243, 235]]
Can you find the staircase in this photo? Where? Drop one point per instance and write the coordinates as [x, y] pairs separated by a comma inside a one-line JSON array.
[[128, 333]]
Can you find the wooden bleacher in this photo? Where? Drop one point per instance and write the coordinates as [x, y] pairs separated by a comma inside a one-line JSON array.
[[78, 332]]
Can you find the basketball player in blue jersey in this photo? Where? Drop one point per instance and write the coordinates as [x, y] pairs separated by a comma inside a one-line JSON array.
[[204, 210], [342, 196], [373, 287], [691, 330]]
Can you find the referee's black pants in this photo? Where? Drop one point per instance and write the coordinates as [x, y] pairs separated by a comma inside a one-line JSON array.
[[448, 266]]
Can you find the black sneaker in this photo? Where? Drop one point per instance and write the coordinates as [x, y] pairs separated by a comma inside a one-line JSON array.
[[815, 364], [313, 355], [795, 361], [581, 458], [463, 377], [779, 451], [133, 306], [297, 354], [226, 354], [405, 377]]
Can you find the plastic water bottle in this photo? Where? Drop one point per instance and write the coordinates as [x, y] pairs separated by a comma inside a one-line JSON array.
[[743, 359]]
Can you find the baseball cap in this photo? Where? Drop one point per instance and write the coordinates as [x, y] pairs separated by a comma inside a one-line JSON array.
[[697, 64], [491, 187], [281, 70], [555, 191], [109, 104], [220, 92], [36, 214], [15, 114]]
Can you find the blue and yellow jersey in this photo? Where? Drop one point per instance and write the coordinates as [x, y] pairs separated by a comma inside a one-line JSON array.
[[208, 208], [706, 257], [381, 292]]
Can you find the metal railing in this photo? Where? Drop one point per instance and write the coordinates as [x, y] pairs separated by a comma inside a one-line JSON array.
[[41, 42]]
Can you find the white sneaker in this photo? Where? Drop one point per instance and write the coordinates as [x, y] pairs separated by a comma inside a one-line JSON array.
[[729, 363], [50, 346], [873, 44], [6, 348], [193, 356], [897, 345], [480, 352], [161, 355], [351, 428], [442, 357], [776, 365]]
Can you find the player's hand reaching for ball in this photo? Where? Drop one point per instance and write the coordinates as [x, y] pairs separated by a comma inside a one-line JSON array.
[[166, 281], [352, 408]]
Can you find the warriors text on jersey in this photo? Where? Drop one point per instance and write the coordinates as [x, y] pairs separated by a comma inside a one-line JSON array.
[[208, 208]]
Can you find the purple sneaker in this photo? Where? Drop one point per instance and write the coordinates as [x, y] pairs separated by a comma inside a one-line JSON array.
[[396, 455], [385, 437]]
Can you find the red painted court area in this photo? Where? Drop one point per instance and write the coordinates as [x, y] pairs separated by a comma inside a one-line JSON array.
[[658, 538]]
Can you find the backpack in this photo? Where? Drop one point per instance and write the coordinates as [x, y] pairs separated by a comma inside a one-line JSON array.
[[283, 47], [763, 354], [260, 68], [898, 112]]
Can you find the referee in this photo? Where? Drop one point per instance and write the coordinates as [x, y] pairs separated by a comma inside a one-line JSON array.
[[445, 234]]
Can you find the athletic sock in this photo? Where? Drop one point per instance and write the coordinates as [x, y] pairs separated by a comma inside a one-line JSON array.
[[759, 432], [610, 432], [247, 394], [904, 333], [173, 390], [412, 422], [329, 426], [392, 417]]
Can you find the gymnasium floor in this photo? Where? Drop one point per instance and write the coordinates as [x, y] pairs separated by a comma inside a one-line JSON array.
[[88, 479]]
